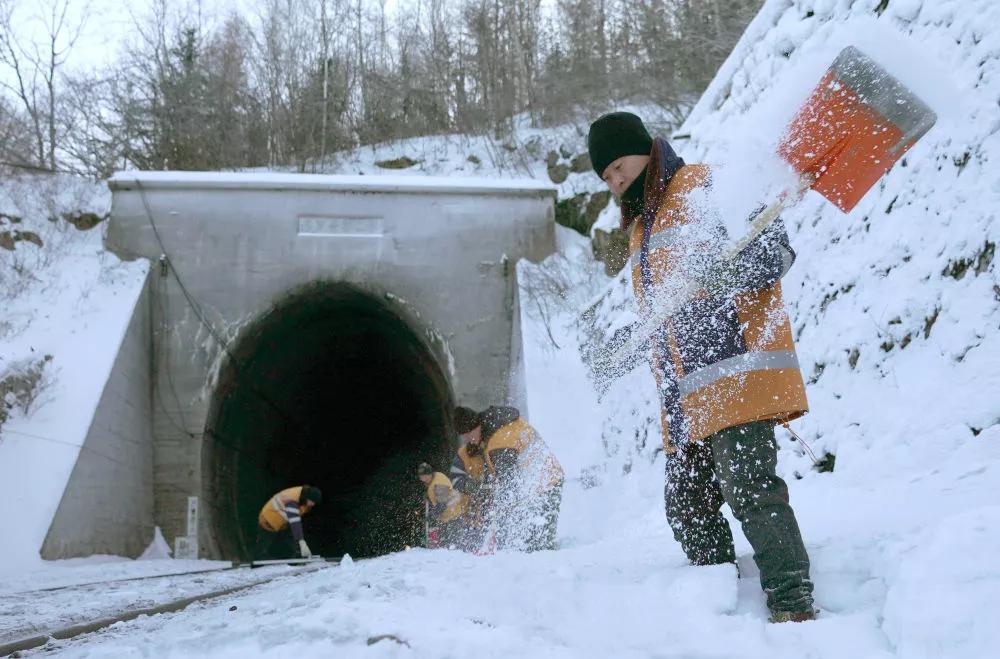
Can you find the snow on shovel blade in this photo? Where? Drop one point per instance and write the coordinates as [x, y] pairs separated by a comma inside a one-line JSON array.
[[853, 127]]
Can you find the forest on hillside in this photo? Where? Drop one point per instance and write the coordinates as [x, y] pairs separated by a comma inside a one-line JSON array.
[[287, 83]]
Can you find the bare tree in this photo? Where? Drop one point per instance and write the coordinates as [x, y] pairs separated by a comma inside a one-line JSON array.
[[296, 80], [15, 136], [36, 64]]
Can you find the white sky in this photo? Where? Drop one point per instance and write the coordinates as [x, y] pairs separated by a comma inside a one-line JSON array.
[[109, 22]]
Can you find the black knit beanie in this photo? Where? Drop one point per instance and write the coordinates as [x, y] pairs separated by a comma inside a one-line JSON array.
[[615, 135], [424, 469], [467, 420], [310, 493]]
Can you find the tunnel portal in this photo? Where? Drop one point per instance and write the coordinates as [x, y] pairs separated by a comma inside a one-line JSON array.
[[330, 388], [324, 382]]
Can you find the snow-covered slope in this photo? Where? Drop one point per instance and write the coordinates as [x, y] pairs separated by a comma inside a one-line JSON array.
[[552, 154], [65, 307], [896, 310]]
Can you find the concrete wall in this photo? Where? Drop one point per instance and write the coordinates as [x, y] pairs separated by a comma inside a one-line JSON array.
[[517, 387], [443, 250], [107, 507]]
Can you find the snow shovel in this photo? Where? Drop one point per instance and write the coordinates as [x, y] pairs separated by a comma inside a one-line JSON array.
[[858, 121]]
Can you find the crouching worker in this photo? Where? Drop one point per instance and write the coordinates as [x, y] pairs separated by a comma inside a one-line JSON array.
[[468, 476], [447, 507], [527, 477], [280, 521]]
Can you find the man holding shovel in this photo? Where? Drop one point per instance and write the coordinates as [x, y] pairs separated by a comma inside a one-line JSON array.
[[712, 314], [724, 362]]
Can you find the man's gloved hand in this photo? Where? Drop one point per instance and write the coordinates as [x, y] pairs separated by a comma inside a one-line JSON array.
[[304, 549]]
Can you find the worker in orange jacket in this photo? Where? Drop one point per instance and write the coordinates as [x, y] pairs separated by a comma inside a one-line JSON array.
[[526, 476], [469, 476], [724, 362], [447, 507], [281, 520]]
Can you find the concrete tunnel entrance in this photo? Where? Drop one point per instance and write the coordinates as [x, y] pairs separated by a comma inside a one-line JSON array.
[[334, 389]]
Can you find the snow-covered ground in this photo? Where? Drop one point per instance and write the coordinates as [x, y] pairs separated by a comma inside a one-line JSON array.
[[74, 591], [896, 310]]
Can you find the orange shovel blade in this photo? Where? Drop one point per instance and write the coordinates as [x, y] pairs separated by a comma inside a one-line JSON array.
[[853, 127]]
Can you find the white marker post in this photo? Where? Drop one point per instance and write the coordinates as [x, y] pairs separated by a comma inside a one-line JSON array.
[[186, 546]]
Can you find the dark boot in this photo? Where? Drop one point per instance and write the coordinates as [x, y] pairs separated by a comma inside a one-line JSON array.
[[792, 616], [693, 501], [745, 460]]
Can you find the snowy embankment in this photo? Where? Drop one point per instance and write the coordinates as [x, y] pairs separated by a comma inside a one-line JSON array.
[[66, 304]]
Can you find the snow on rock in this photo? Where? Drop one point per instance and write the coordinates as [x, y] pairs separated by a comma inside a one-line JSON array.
[[70, 300]]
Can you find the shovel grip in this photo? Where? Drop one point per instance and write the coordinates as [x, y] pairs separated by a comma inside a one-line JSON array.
[[767, 217], [663, 310]]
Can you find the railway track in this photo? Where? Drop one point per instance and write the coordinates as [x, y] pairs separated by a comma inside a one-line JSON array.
[[145, 577], [30, 638]]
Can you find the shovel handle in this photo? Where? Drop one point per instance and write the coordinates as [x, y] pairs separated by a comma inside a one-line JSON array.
[[641, 335], [767, 217]]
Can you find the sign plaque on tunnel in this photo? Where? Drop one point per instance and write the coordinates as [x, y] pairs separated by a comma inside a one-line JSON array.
[[192, 516], [341, 226]]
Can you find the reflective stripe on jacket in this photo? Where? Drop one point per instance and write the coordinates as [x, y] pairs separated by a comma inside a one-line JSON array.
[[283, 510], [719, 361]]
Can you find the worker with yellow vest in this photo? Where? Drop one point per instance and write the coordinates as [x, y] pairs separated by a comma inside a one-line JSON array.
[[281, 520], [724, 363], [447, 506], [527, 478], [468, 476]]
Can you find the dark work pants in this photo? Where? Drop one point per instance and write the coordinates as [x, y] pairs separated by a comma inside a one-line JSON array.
[[452, 534], [527, 522], [274, 545], [737, 466], [545, 538]]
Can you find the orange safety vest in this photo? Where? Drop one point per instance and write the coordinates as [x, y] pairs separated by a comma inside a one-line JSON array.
[[272, 516], [440, 490], [474, 464], [535, 459], [759, 380]]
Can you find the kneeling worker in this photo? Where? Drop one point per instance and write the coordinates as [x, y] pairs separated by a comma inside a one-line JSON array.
[[447, 506], [528, 477], [468, 476], [281, 519]]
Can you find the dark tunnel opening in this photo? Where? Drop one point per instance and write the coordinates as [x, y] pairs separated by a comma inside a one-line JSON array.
[[331, 388]]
